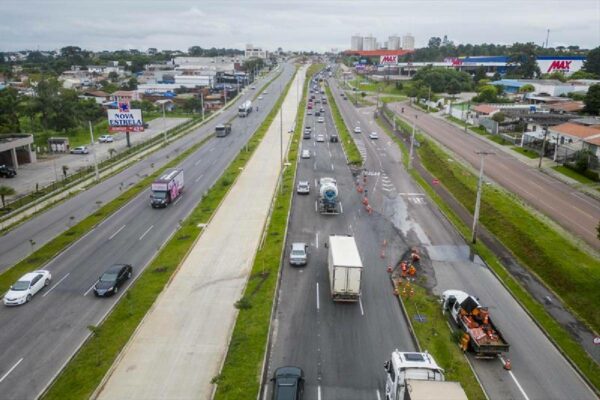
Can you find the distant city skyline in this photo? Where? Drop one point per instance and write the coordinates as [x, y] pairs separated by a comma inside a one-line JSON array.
[[292, 25]]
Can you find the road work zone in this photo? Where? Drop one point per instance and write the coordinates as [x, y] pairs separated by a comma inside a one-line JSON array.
[[182, 342]]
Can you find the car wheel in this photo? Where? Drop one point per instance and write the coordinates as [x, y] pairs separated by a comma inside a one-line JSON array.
[[28, 299], [47, 282]]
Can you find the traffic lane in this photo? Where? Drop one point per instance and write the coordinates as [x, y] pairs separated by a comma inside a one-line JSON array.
[[551, 196], [16, 243], [538, 366], [146, 251]]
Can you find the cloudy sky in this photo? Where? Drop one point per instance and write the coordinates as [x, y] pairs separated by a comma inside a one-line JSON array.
[[294, 25]]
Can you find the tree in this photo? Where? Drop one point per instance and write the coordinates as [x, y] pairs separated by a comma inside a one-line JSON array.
[[6, 191], [527, 88], [524, 57], [192, 104], [9, 107], [131, 84], [434, 42], [195, 51], [499, 117], [592, 62], [581, 74], [487, 94], [592, 100], [113, 76], [479, 74]]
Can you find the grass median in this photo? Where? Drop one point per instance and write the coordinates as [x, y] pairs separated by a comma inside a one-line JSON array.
[[352, 153], [553, 258], [89, 365], [240, 376]]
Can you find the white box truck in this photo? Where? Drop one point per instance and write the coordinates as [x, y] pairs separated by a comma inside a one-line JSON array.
[[345, 268]]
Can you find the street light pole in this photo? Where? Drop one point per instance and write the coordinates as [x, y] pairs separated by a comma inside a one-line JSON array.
[[280, 140], [478, 199], [412, 141], [164, 124], [543, 146], [97, 174], [428, 98], [202, 104]]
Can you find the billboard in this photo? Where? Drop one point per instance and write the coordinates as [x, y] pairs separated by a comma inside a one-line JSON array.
[[560, 64], [387, 60], [124, 119]]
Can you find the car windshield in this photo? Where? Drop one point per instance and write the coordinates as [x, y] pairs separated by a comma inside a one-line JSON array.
[[109, 277], [298, 252], [159, 195], [21, 285]]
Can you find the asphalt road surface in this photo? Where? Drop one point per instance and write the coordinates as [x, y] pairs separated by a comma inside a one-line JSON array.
[[15, 245], [37, 339], [340, 346], [573, 210], [449, 265]]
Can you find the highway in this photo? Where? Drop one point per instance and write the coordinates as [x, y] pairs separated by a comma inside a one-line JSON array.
[[341, 347], [15, 245], [448, 264], [573, 210], [39, 338]]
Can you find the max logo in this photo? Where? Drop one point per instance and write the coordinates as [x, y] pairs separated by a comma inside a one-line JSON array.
[[559, 66], [388, 59]]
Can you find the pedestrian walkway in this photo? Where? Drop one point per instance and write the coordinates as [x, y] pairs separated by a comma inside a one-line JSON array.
[[181, 344]]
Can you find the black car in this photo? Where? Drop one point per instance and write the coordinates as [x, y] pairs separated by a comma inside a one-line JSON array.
[[333, 138], [110, 281], [7, 172], [288, 383]]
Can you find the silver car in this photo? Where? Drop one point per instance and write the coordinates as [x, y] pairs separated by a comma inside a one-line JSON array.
[[299, 253], [305, 154], [303, 187]]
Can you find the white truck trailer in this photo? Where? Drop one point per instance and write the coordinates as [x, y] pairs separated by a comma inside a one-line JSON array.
[[245, 109], [416, 376], [345, 268]]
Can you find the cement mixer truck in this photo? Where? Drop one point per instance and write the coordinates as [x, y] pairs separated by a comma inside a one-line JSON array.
[[328, 196]]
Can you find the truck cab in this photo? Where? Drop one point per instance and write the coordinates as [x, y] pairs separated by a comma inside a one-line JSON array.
[[405, 367]]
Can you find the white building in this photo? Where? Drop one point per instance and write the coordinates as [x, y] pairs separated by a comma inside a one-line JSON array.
[[408, 42], [254, 52], [393, 42], [356, 42], [191, 81], [369, 43]]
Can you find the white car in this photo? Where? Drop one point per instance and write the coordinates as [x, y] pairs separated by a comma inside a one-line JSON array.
[[357, 130], [309, 112], [26, 287], [320, 138], [106, 139], [373, 135], [79, 150], [321, 120], [305, 154], [260, 97]]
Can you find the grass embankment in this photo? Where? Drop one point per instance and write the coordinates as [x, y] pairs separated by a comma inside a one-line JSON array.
[[240, 376], [85, 371], [574, 175], [526, 152], [352, 153], [557, 261]]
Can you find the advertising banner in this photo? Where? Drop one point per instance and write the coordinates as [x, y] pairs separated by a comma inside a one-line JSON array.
[[566, 66], [388, 60], [124, 119]]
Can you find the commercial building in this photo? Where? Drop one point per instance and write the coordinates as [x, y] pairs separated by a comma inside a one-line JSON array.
[[544, 87], [254, 52], [369, 43], [16, 149]]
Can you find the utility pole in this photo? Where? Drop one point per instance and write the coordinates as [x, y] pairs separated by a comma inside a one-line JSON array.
[[164, 124], [280, 140], [202, 104], [94, 149], [478, 200], [543, 146], [412, 143], [428, 98]]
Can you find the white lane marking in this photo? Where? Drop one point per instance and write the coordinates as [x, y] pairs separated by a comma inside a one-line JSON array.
[[378, 395], [341, 208], [56, 284], [411, 194], [90, 289], [116, 233], [177, 200], [316, 206], [316, 183], [319, 392], [514, 379], [10, 370], [200, 177], [317, 240], [332, 167], [318, 303], [197, 162], [362, 310], [147, 230], [330, 156], [211, 149]]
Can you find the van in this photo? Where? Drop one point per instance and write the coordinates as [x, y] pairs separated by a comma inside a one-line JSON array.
[[299, 253]]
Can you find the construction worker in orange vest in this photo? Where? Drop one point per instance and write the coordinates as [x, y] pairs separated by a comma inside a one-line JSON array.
[[403, 266], [412, 270]]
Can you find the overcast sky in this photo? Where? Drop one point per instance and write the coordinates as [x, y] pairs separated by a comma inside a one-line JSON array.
[[292, 25]]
